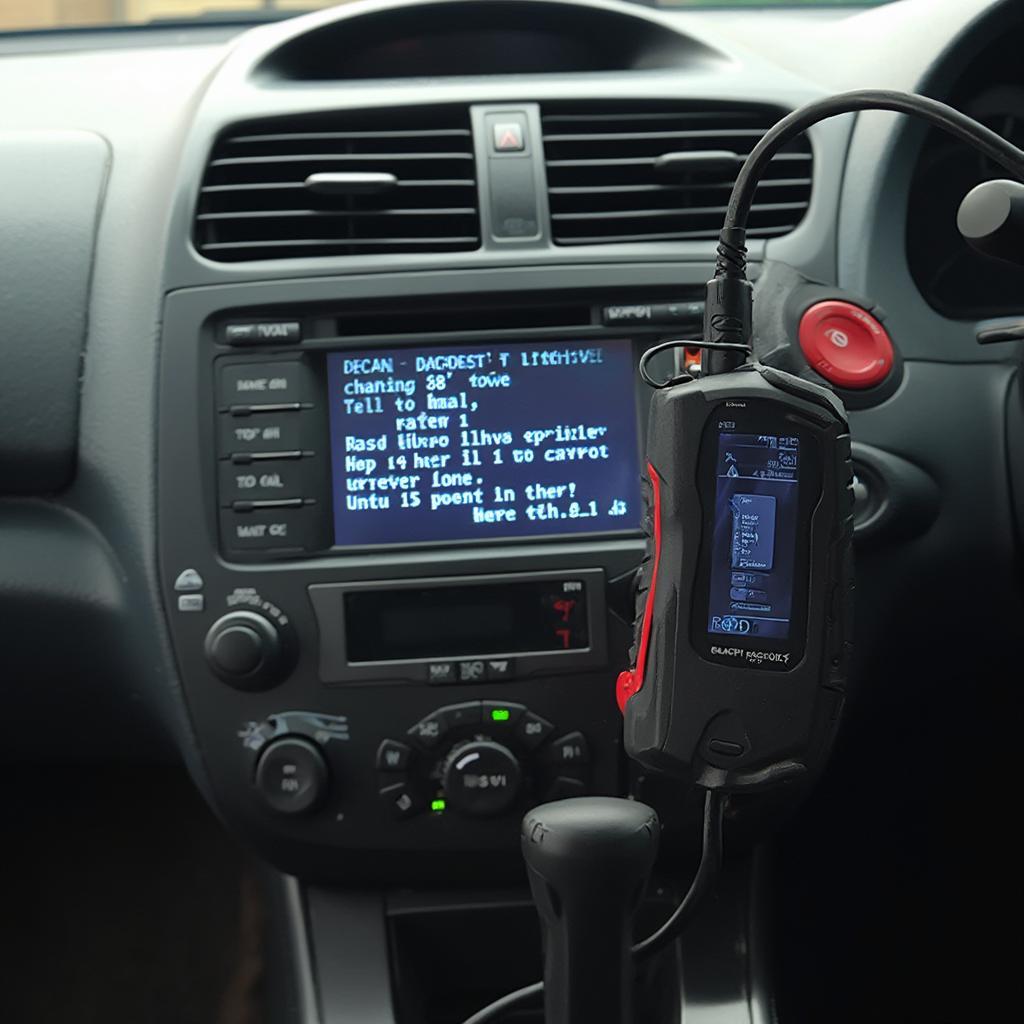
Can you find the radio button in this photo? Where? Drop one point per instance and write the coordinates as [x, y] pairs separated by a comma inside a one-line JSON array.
[[253, 384], [472, 671], [256, 506], [269, 529], [266, 432], [500, 668], [267, 480], [263, 332], [442, 672]]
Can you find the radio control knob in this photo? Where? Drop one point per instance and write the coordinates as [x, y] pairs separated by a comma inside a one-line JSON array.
[[247, 651], [482, 778]]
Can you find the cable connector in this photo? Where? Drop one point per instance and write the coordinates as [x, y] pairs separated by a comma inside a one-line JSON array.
[[728, 306]]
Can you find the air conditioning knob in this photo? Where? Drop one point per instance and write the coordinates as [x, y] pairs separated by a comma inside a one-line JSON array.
[[482, 778], [291, 775], [247, 651]]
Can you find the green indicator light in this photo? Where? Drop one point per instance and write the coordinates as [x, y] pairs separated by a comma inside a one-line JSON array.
[[500, 715], [437, 805]]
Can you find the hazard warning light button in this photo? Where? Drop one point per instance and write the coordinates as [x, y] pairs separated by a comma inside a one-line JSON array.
[[508, 136]]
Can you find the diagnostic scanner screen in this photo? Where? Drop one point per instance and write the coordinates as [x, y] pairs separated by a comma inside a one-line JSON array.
[[757, 481], [483, 442]]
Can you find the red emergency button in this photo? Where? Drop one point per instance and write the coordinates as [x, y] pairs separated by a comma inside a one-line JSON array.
[[845, 344]]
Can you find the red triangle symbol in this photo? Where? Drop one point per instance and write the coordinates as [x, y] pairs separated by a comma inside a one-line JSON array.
[[510, 140]]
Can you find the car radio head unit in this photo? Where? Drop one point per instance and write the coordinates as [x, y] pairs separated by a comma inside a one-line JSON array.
[[448, 443]]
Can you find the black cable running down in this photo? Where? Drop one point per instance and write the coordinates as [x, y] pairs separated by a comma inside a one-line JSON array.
[[499, 1006], [727, 316], [703, 880]]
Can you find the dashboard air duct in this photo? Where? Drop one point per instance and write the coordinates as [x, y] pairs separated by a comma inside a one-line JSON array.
[[383, 181], [661, 172]]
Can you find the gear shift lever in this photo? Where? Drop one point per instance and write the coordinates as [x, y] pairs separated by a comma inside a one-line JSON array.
[[588, 861]]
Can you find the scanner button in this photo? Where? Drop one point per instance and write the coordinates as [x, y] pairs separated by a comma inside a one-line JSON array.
[[846, 344]]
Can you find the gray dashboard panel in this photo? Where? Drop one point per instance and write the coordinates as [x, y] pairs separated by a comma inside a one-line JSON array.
[[159, 106], [51, 188]]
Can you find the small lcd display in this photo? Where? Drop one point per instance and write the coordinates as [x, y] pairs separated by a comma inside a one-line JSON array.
[[754, 538], [466, 620], [483, 442]]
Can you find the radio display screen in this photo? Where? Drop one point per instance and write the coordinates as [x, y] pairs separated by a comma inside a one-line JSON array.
[[466, 619], [483, 442], [754, 539]]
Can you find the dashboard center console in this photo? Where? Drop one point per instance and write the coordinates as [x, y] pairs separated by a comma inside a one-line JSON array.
[[403, 594]]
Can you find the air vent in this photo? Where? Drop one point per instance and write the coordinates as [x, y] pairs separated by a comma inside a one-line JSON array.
[[607, 184], [393, 181]]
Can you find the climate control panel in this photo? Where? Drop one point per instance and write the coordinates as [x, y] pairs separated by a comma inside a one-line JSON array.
[[480, 758], [475, 759]]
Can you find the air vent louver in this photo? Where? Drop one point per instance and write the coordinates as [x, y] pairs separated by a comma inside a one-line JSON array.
[[418, 191], [604, 187]]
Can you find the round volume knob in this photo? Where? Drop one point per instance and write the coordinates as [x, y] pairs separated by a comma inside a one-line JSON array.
[[246, 651], [482, 778]]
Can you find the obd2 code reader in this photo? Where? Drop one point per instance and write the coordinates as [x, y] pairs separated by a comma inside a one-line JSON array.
[[743, 601]]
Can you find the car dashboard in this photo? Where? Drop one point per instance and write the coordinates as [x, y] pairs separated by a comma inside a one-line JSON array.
[[321, 441]]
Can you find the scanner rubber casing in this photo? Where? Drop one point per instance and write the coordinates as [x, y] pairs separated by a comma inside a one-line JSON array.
[[687, 707]]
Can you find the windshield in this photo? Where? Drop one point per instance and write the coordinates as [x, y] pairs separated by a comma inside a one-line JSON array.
[[22, 15]]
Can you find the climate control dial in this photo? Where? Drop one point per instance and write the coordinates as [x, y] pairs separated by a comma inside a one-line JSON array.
[[481, 777], [291, 775]]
